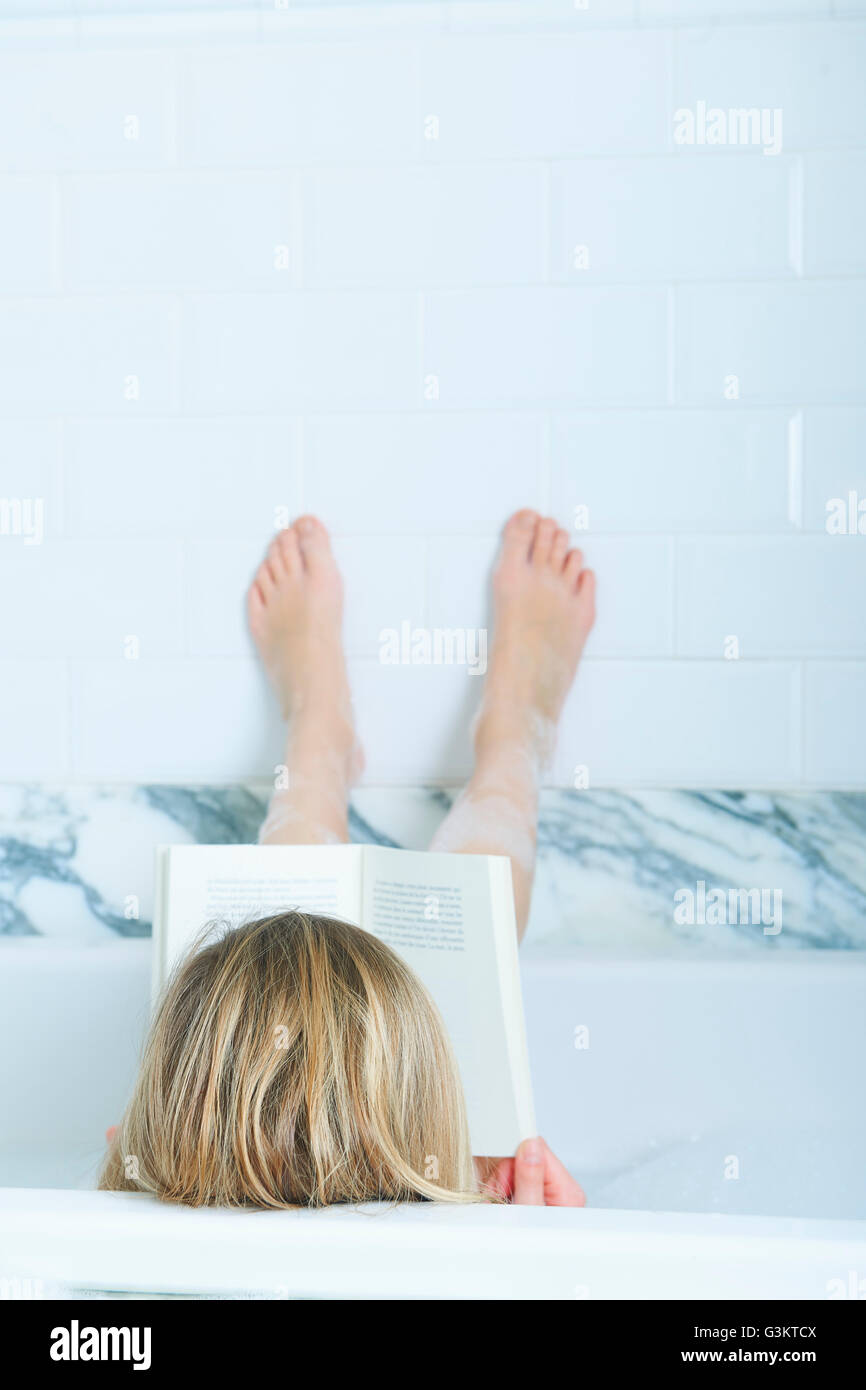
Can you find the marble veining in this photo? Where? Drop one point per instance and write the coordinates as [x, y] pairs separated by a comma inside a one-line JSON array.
[[76, 862]]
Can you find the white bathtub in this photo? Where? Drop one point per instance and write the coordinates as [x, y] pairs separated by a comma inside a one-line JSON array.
[[715, 1119]]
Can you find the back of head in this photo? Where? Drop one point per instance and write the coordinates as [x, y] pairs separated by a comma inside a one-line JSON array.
[[296, 1060]]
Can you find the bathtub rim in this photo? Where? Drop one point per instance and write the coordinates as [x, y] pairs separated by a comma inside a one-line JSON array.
[[132, 1243]]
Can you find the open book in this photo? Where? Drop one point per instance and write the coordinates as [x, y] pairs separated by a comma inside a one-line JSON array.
[[450, 916]]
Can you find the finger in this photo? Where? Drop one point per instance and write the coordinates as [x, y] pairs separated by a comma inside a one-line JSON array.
[[529, 1174], [560, 1188], [110, 1134]]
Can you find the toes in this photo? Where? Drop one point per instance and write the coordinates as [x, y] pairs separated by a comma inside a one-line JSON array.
[[313, 540], [286, 551], [274, 566], [573, 566], [267, 577], [558, 549], [586, 595], [520, 523], [274, 562], [518, 533], [542, 543], [260, 592], [255, 602]]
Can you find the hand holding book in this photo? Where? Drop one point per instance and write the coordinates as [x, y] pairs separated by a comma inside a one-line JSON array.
[[534, 1177]]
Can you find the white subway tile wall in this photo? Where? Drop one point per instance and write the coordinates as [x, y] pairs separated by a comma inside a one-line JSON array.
[[412, 266]]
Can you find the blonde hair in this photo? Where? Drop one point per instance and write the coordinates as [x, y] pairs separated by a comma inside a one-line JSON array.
[[295, 1061]]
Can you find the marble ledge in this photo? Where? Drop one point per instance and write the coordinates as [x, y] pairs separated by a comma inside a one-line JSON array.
[[619, 873]]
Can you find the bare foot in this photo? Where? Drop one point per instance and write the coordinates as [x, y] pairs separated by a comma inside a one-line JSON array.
[[544, 608], [295, 610]]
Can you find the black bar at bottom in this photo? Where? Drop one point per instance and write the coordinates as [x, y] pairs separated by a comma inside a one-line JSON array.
[[151, 1336]]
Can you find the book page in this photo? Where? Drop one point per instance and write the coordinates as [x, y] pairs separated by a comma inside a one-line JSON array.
[[436, 911], [238, 883]]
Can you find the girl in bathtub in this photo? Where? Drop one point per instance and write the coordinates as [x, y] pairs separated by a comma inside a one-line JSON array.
[[367, 1087]]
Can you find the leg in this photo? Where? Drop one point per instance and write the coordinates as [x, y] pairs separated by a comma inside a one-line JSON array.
[[544, 607], [295, 613]]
